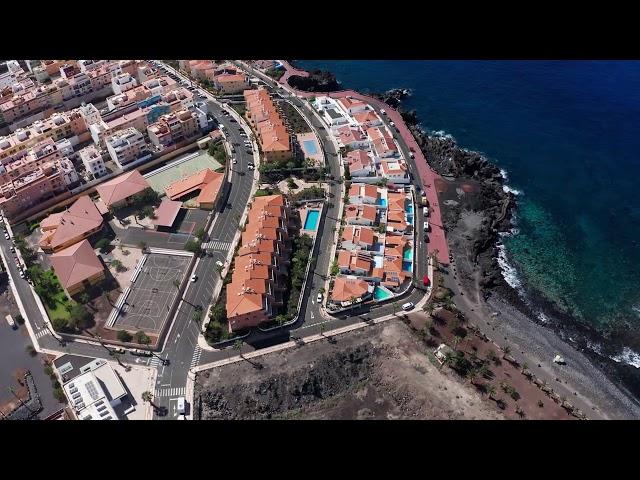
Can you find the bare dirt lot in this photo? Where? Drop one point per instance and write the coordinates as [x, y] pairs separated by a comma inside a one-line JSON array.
[[380, 372]]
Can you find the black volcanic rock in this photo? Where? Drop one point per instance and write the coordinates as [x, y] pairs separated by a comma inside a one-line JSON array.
[[317, 81]]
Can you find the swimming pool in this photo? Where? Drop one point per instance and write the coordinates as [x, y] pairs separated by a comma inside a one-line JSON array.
[[310, 147], [382, 202], [408, 255], [409, 208], [381, 293], [311, 222], [407, 266]]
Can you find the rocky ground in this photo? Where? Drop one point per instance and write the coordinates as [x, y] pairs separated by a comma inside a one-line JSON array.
[[380, 372]]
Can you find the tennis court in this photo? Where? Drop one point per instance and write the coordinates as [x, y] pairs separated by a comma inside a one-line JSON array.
[[161, 178], [152, 294]]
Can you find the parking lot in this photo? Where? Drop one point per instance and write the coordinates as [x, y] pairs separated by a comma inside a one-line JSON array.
[[152, 293]]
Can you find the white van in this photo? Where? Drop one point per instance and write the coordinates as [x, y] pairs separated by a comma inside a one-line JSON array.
[[182, 405], [426, 226], [425, 212]]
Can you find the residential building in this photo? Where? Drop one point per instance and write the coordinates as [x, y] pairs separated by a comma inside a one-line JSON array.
[[360, 215], [69, 125], [94, 394], [268, 123], [360, 163], [174, 128], [42, 183], [352, 105], [78, 222], [395, 171], [356, 237], [360, 193], [116, 192], [360, 264], [208, 182], [126, 146], [93, 161], [255, 292], [42, 152], [348, 289], [351, 137], [230, 82], [123, 82], [367, 119]]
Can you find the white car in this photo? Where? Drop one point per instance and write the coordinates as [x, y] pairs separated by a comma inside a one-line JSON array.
[[220, 264], [319, 297], [408, 306], [251, 167], [235, 160], [194, 278], [6, 235]]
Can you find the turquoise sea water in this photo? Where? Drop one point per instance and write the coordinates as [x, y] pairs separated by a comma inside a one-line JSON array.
[[566, 134]]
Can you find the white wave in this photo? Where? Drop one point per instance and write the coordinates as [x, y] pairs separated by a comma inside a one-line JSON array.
[[504, 174], [509, 272], [441, 134], [596, 347], [636, 308], [628, 356], [543, 318], [508, 189]]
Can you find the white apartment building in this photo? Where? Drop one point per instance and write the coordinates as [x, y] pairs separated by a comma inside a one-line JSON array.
[[92, 161], [123, 82], [69, 173], [126, 146]]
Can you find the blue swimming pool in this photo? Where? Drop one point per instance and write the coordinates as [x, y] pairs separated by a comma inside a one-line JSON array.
[[311, 222], [407, 266], [381, 293], [409, 208], [408, 255], [310, 147], [382, 202]]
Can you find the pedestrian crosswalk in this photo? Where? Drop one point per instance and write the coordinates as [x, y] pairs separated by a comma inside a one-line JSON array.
[[216, 245], [155, 362], [196, 357], [43, 333], [170, 392]]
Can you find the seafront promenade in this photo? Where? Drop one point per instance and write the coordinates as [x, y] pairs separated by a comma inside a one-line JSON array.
[[437, 237]]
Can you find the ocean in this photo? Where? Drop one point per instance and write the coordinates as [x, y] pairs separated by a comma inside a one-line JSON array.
[[567, 136]]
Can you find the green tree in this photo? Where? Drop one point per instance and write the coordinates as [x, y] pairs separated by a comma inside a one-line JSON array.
[[84, 298], [194, 247], [117, 264], [103, 244], [59, 324], [142, 338], [237, 345], [147, 397], [79, 316], [124, 336], [199, 233]]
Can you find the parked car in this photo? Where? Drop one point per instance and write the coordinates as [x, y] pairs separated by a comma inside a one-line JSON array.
[[220, 264], [140, 353], [194, 278], [319, 297], [119, 350], [426, 226], [408, 306]]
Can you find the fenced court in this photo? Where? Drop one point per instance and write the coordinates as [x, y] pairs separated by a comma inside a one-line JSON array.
[[164, 176], [152, 293]]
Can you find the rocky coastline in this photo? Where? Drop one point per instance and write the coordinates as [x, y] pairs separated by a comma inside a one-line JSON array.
[[498, 209], [317, 81]]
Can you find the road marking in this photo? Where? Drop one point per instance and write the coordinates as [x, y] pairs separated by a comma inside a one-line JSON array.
[[170, 392], [216, 245], [196, 356], [43, 333]]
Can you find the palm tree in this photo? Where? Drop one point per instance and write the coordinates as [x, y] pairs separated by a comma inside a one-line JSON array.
[[237, 345], [117, 356], [147, 397], [506, 349], [456, 341], [219, 269], [491, 391]]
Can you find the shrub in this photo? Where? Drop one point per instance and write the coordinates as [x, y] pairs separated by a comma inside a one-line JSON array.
[[142, 338], [59, 395], [48, 371], [103, 244], [124, 336]]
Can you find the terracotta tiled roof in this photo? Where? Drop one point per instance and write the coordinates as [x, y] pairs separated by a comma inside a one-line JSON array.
[[166, 213], [76, 222], [345, 288], [207, 181], [358, 234], [122, 187], [76, 263]]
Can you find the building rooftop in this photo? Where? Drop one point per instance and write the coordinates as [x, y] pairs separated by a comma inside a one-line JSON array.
[[81, 217], [166, 213], [207, 181], [346, 288], [122, 187], [76, 263]]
